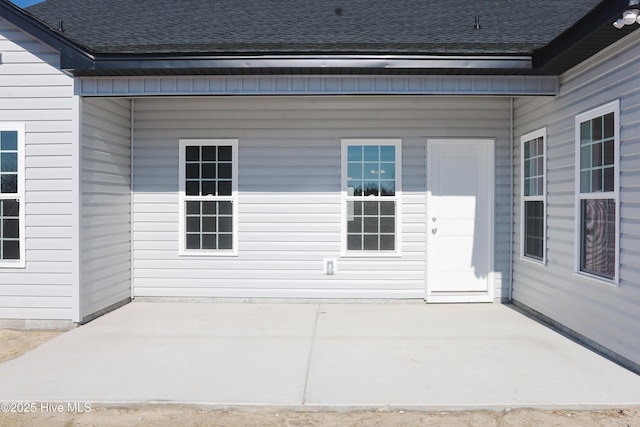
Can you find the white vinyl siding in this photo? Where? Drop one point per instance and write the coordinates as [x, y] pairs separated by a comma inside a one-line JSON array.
[[605, 314], [533, 191], [289, 185], [105, 232], [34, 92]]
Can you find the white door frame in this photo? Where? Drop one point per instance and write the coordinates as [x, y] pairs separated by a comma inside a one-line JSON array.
[[464, 297]]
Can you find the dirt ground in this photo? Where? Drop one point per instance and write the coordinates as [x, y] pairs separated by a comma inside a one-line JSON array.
[[15, 343]]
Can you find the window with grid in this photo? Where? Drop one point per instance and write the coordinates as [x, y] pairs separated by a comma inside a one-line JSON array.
[[597, 190], [208, 192], [11, 196], [533, 194], [371, 189]]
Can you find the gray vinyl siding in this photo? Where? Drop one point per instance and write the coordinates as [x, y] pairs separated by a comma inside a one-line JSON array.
[[105, 232], [601, 312], [289, 191], [34, 91]]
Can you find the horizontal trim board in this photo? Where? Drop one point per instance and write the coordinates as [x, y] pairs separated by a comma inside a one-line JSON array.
[[320, 85], [108, 63]]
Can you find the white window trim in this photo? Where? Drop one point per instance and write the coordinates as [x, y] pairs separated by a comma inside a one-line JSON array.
[[20, 195], [540, 133], [611, 107], [233, 198], [397, 143]]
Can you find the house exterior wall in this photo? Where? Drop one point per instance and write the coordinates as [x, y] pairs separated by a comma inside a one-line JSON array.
[[289, 192], [35, 92], [602, 312], [105, 224]]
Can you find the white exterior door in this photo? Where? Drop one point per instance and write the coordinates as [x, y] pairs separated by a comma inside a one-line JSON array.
[[460, 220]]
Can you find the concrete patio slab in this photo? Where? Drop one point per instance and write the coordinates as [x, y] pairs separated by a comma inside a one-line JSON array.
[[319, 356]]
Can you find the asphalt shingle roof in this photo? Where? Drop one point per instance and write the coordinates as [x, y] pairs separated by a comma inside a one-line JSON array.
[[434, 27]]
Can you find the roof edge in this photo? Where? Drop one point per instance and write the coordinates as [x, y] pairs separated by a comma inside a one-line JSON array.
[[70, 51], [602, 15], [109, 63]]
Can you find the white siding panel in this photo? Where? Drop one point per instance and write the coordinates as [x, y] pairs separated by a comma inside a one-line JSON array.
[[289, 191], [106, 205], [602, 312], [35, 92]]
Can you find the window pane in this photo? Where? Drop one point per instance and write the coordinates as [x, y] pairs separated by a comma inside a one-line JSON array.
[[208, 170], [585, 182], [10, 208], [371, 171], [596, 180], [209, 224], [596, 154], [10, 249], [354, 225], [208, 188], [608, 126], [609, 152], [371, 208], [371, 243], [598, 237], [387, 171], [192, 188], [608, 178], [224, 170], [534, 229], [354, 153], [371, 224], [193, 224], [224, 154], [371, 188], [225, 241], [371, 153], [9, 162], [209, 153], [387, 243], [225, 225], [193, 153], [388, 208], [585, 132], [209, 241], [192, 171], [193, 241], [354, 242], [10, 229], [388, 188], [387, 153], [224, 188], [387, 225], [8, 140], [596, 129], [356, 187], [8, 183], [226, 208], [354, 171], [209, 208], [585, 157]]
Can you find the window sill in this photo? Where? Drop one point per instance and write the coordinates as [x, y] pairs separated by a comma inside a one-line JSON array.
[[17, 264], [371, 255], [540, 262], [208, 254], [597, 279]]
